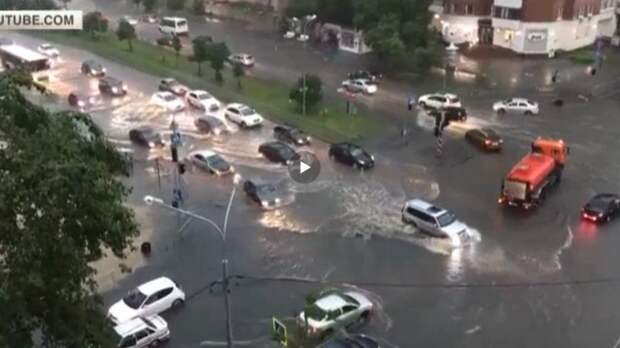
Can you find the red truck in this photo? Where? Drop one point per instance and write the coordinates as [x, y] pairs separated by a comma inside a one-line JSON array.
[[528, 183]]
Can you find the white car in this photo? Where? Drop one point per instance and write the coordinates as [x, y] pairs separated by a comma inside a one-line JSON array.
[[439, 100], [243, 59], [211, 162], [519, 105], [129, 19], [334, 310], [48, 50], [142, 332], [153, 297], [168, 101], [360, 85], [290, 34], [243, 115], [435, 221], [203, 100], [303, 38]]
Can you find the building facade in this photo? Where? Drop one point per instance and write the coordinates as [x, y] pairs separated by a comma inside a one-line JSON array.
[[528, 26]]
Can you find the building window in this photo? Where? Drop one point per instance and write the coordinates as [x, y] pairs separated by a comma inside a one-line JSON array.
[[469, 9], [506, 13]]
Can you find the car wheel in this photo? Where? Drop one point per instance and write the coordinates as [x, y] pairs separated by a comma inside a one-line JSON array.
[[155, 343], [528, 113], [422, 104], [331, 155], [501, 111], [178, 303], [364, 317], [244, 125]]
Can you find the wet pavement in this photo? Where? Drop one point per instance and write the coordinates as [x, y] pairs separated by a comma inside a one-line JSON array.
[[345, 230]]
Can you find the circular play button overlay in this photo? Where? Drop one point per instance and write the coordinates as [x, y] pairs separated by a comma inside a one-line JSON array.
[[306, 169]]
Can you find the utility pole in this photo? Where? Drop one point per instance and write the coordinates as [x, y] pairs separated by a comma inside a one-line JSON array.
[[225, 280], [303, 93]]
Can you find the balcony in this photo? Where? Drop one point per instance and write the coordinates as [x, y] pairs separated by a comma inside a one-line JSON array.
[[503, 23], [514, 4]]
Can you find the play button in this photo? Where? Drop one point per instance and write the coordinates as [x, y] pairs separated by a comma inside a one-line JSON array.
[[306, 169]]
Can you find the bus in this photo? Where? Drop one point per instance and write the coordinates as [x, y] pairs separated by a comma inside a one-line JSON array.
[[18, 57]]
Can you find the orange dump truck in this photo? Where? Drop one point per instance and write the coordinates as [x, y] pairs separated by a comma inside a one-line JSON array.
[[528, 183]]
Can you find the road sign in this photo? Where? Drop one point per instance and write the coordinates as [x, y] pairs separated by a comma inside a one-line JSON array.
[[280, 334]]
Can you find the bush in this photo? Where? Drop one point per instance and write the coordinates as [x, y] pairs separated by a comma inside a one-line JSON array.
[[313, 87]]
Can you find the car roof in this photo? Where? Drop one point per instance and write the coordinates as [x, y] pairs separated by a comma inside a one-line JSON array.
[[204, 153], [236, 105], [129, 327], [155, 285], [169, 79], [164, 93], [199, 91], [605, 197], [488, 132], [331, 302], [426, 207], [174, 18]]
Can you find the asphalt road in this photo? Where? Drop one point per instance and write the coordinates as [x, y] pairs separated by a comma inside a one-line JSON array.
[[344, 229]]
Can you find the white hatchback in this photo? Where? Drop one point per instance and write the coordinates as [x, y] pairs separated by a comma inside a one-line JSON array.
[[168, 101], [203, 100], [243, 115], [148, 299]]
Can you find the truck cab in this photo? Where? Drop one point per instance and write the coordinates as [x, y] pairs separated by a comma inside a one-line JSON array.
[[553, 148]]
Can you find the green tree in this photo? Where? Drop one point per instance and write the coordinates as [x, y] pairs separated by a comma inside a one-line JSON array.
[[300, 8], [218, 54], [149, 5], [238, 73], [198, 7], [62, 204], [175, 5], [200, 46], [126, 31], [95, 22], [137, 2], [339, 12], [177, 46], [308, 90]]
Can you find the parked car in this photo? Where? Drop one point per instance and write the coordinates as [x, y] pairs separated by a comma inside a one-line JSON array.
[[211, 162], [210, 124], [291, 135], [360, 86], [142, 332], [93, 68], [452, 113], [146, 136], [366, 75], [516, 105], [485, 138], [602, 208], [153, 297], [203, 100], [334, 310], [435, 221], [245, 60], [278, 152], [352, 155], [266, 195], [439, 100], [48, 50], [352, 341], [168, 101], [129, 19], [173, 86], [174, 26], [111, 86], [243, 115], [82, 100]]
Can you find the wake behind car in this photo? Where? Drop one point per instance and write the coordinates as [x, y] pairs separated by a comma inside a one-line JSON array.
[[168, 101], [150, 298], [360, 86], [516, 105], [435, 221], [291, 135], [243, 115], [334, 310], [485, 139], [173, 86], [352, 155], [243, 59], [267, 195], [92, 68], [278, 152], [142, 332], [146, 136], [210, 124], [112, 86], [601, 208], [211, 162], [203, 100], [439, 100]]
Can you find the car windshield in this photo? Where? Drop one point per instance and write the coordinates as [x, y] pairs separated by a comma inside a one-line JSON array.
[[247, 111], [357, 152], [217, 162], [46, 46], [453, 100], [181, 23], [134, 298], [94, 65], [445, 219], [296, 133], [167, 22], [265, 189], [149, 323], [204, 96], [314, 312], [349, 299]]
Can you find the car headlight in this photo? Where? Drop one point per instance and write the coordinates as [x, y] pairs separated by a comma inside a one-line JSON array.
[[104, 70], [277, 200], [264, 204], [80, 103], [114, 89], [151, 144], [372, 157], [124, 87], [600, 215]]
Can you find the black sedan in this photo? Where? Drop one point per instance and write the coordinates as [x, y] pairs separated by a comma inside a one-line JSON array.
[[111, 86], [291, 135], [210, 124], [354, 341], [146, 136], [266, 195], [82, 101], [602, 208], [452, 113], [484, 138], [278, 152], [352, 155], [92, 68]]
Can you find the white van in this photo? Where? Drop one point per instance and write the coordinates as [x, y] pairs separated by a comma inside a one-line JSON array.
[[174, 26]]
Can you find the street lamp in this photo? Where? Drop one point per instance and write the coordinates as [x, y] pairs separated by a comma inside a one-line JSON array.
[[150, 200]]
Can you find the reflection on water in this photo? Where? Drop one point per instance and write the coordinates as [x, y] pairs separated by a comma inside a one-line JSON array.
[[282, 220]]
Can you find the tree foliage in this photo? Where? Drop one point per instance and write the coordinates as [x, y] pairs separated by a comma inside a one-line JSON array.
[[95, 22], [339, 12], [149, 5], [200, 46], [126, 31], [175, 5], [28, 5], [61, 205], [198, 7], [218, 54], [314, 91]]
